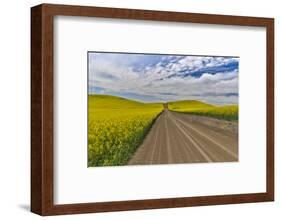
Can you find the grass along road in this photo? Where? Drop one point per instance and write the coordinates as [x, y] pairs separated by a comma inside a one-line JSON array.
[[184, 138]]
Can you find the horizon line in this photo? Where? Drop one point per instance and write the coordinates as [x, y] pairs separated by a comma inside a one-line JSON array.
[[130, 99]]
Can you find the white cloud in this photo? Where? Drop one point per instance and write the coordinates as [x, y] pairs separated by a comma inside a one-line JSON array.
[[119, 77]]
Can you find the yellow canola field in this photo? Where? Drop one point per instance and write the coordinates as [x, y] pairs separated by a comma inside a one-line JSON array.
[[116, 128], [226, 112]]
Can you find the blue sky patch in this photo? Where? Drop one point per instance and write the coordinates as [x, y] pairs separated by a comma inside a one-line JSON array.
[[161, 78]]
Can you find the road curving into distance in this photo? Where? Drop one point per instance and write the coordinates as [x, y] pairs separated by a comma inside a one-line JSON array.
[[184, 138]]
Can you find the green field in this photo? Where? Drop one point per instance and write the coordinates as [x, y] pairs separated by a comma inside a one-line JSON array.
[[227, 112], [116, 127]]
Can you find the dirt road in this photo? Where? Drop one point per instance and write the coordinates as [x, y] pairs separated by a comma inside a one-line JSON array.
[[183, 138]]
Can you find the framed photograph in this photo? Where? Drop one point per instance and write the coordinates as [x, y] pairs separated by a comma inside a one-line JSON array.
[[139, 109]]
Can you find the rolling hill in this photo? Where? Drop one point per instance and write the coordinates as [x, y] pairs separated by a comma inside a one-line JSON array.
[[226, 112], [116, 127], [115, 102]]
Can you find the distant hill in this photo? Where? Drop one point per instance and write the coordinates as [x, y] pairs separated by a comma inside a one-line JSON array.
[[227, 112], [114, 102], [109, 102], [188, 105]]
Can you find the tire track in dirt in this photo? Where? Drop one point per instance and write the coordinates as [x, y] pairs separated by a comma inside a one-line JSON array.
[[182, 138]]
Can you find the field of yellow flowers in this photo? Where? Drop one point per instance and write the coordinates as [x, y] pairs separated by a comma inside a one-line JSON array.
[[227, 112], [116, 127]]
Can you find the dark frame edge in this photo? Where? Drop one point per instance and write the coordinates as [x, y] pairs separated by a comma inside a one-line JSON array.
[[133, 205], [41, 111], [36, 109], [270, 110], [144, 14]]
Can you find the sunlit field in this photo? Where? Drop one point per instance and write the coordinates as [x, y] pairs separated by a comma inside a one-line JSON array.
[[116, 128], [227, 112]]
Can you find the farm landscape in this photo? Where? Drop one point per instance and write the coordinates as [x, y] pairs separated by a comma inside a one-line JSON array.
[[133, 121]]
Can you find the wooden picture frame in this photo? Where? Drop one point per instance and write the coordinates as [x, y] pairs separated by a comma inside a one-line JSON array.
[[42, 109]]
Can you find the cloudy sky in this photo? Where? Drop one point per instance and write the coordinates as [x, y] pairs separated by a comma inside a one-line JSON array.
[[161, 78]]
